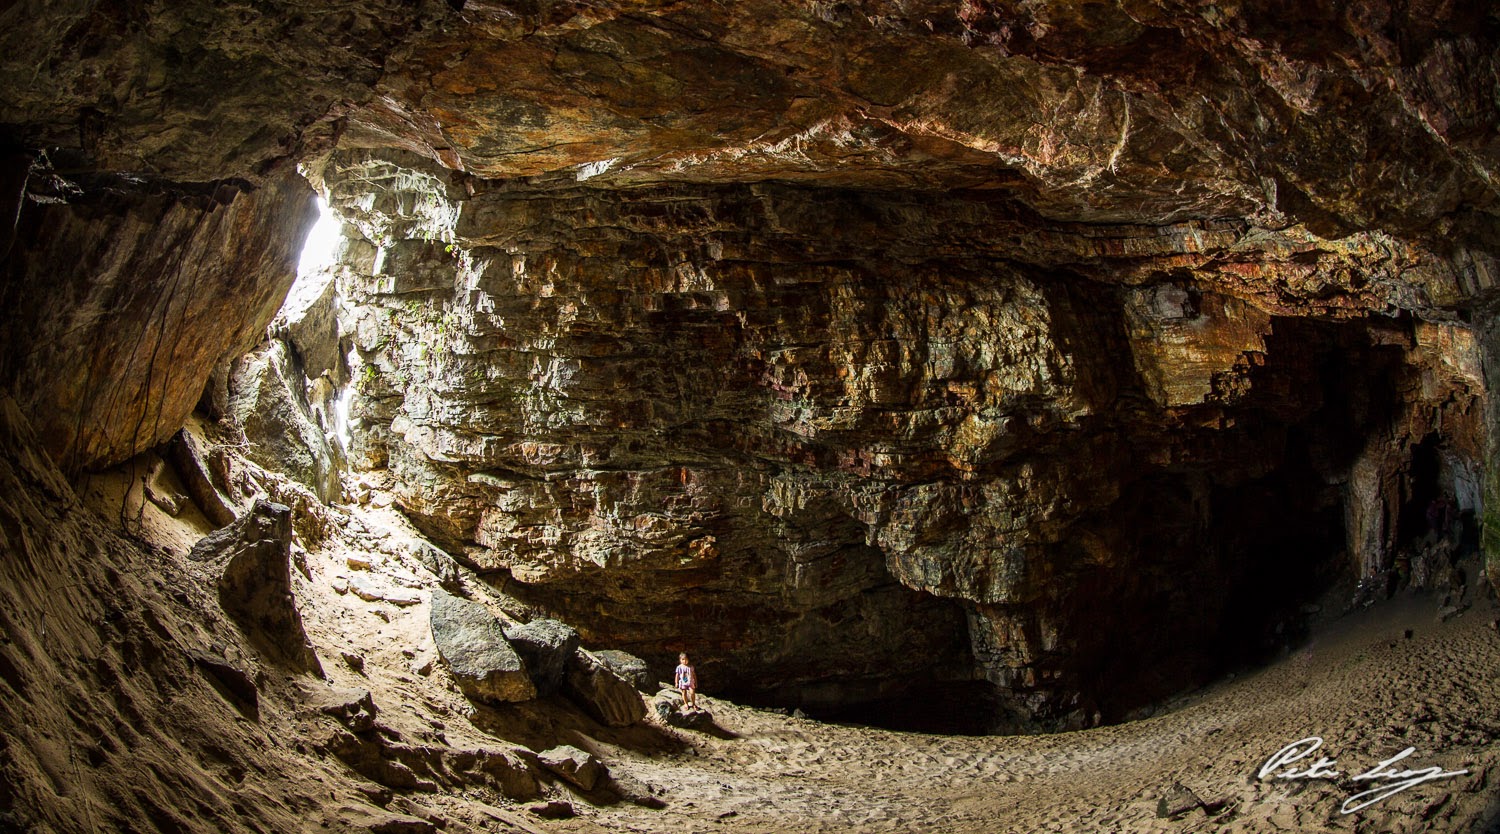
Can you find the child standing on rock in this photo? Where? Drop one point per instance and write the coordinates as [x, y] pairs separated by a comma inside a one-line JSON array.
[[687, 681]]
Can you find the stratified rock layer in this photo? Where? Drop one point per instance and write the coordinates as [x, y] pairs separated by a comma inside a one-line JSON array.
[[843, 462]]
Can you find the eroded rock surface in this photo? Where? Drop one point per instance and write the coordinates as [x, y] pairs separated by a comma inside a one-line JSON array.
[[132, 295], [253, 556]]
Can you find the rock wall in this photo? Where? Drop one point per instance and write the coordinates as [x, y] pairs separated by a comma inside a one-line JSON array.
[[133, 294], [837, 465]]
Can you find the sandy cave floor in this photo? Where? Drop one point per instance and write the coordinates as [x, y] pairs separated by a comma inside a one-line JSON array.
[[1360, 683]]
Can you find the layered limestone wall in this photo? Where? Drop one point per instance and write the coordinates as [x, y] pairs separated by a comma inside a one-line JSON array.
[[977, 446]]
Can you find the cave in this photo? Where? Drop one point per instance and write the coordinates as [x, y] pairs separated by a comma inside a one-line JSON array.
[[1012, 404]]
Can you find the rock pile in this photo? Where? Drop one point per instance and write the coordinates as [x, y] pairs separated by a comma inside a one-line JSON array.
[[502, 663], [472, 644]]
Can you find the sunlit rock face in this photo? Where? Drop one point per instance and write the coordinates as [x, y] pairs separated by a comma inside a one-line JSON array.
[[854, 343]]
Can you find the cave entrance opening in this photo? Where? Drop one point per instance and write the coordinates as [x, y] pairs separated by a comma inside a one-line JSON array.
[[317, 271], [321, 248]]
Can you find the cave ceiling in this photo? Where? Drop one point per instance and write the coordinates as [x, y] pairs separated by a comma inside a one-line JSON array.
[[1343, 117]]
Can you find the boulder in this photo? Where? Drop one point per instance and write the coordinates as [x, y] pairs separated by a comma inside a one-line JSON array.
[[472, 645], [669, 707], [255, 582], [436, 561], [601, 693], [576, 766], [628, 666], [546, 646], [1177, 800]]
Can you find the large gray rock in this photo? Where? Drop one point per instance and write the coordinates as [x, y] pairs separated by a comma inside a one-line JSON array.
[[546, 646], [628, 666], [473, 646], [268, 401], [602, 693], [255, 581]]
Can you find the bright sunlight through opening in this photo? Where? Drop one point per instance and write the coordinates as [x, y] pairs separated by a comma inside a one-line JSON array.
[[322, 242]]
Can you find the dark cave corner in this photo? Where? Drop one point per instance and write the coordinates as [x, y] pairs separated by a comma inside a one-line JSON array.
[[1225, 558], [1348, 475]]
